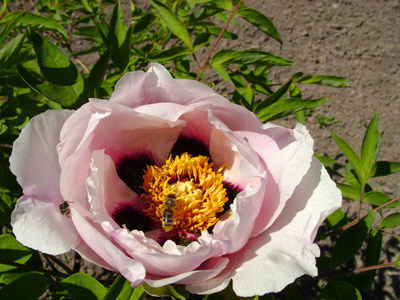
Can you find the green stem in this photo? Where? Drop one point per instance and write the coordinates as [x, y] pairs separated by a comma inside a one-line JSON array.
[[203, 67], [33, 268]]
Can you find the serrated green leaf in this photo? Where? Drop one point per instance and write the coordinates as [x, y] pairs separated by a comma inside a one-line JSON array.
[[378, 199], [334, 81], [84, 287], [12, 250], [27, 287], [10, 51], [260, 21], [369, 146], [346, 291], [170, 54], [385, 168], [351, 155], [390, 221], [10, 20], [351, 240], [349, 192], [175, 291], [337, 219], [172, 22]]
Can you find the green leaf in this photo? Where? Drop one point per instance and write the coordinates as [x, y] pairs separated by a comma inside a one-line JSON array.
[[10, 51], [260, 21], [144, 23], [374, 249], [174, 291], [390, 221], [221, 71], [65, 83], [263, 107], [173, 22], [97, 73], [11, 250], [334, 81], [119, 36], [244, 96], [369, 146], [12, 19], [84, 287], [201, 39], [378, 199], [325, 160], [122, 289], [337, 219], [225, 4], [385, 168], [346, 291], [249, 57], [169, 54], [351, 240], [350, 154], [349, 192], [286, 107], [27, 287]]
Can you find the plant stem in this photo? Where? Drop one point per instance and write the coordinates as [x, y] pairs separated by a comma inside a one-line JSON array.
[[217, 40], [354, 222]]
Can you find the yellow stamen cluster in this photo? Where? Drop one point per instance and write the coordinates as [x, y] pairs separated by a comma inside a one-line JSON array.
[[198, 189]]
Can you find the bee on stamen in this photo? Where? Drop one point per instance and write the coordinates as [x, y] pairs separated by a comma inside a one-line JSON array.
[[64, 208], [168, 213]]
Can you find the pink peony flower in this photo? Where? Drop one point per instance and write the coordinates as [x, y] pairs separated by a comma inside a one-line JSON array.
[[168, 182]]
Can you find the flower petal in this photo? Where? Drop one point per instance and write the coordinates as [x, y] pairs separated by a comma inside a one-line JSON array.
[[39, 224], [206, 271], [286, 251], [155, 86], [113, 256], [162, 261], [34, 158]]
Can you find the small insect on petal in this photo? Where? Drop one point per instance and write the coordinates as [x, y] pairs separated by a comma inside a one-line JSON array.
[[168, 213], [64, 208]]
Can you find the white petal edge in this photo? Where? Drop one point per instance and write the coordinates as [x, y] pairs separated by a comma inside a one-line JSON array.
[[34, 158], [285, 251], [38, 224]]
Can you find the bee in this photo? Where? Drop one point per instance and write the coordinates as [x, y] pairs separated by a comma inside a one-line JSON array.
[[64, 208], [168, 213]]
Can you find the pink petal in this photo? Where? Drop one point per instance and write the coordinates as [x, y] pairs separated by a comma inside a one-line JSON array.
[[34, 158], [162, 261], [206, 271], [285, 251], [38, 223], [106, 190], [121, 132], [112, 255], [155, 86]]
